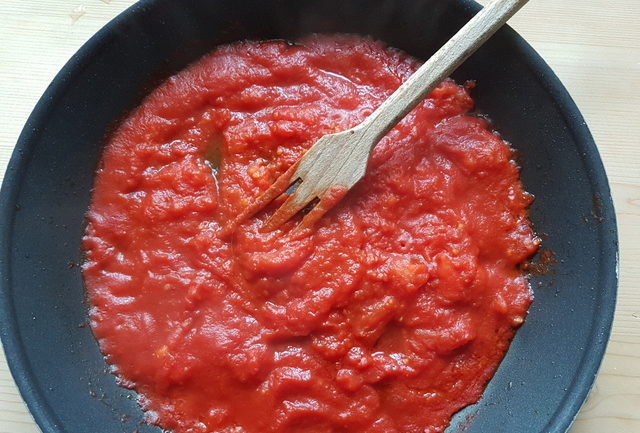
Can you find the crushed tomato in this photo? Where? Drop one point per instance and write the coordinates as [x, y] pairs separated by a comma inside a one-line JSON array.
[[389, 316]]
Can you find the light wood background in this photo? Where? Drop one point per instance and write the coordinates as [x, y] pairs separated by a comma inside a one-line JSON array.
[[593, 45]]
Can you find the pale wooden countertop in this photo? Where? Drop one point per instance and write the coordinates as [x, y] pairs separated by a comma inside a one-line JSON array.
[[592, 45]]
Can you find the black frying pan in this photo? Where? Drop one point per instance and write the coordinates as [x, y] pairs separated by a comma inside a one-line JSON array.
[[54, 358]]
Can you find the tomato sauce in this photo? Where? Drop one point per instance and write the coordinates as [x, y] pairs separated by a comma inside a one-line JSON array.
[[389, 316]]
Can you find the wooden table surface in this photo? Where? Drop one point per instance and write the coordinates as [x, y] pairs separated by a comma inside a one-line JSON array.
[[593, 45]]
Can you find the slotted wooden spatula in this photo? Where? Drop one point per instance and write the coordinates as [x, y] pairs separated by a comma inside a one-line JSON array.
[[336, 162]]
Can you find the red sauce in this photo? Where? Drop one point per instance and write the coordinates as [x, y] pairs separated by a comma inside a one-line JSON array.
[[390, 316]]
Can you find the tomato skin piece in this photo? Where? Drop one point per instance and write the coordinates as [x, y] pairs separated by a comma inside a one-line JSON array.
[[389, 316]]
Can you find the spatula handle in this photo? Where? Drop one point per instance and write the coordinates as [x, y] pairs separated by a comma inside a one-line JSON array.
[[468, 39]]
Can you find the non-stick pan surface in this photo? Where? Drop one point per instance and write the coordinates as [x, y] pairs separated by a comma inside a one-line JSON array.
[[53, 355]]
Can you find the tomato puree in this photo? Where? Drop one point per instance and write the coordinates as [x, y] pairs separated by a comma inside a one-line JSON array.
[[390, 315]]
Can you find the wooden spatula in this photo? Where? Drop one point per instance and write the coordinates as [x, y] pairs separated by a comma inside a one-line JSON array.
[[336, 162]]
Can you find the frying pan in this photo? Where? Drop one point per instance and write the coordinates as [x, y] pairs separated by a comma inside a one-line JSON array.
[[551, 365]]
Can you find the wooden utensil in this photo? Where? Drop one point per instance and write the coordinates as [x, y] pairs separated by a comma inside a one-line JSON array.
[[336, 162]]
